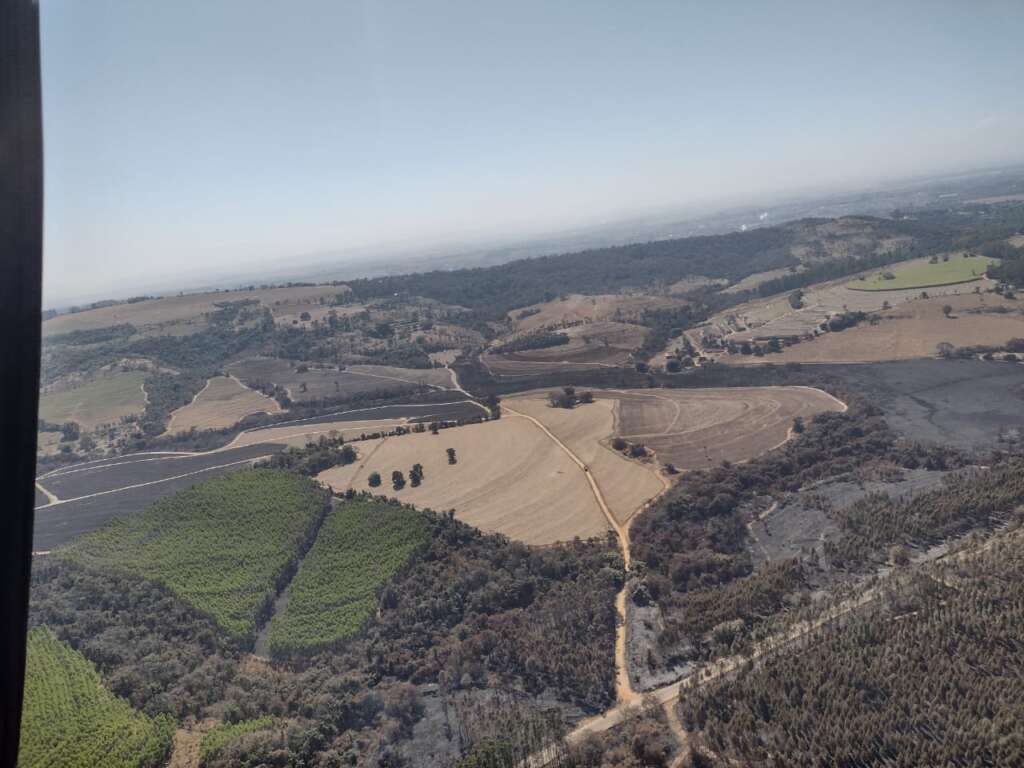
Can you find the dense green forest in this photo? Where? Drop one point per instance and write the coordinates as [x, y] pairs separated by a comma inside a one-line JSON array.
[[929, 675]]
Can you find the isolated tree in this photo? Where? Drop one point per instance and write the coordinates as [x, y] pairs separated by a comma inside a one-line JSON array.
[[451, 455], [374, 479], [305, 316], [303, 387], [945, 349], [947, 310], [416, 475], [397, 480], [796, 299], [798, 425]]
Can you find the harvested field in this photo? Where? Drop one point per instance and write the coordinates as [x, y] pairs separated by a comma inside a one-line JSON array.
[[775, 317], [586, 430], [223, 402], [332, 382], [509, 477], [577, 308], [297, 435], [103, 400], [177, 309], [997, 199], [591, 345], [1017, 241], [922, 273], [699, 428], [967, 404], [913, 330]]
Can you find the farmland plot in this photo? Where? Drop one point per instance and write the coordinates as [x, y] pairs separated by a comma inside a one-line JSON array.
[[591, 345], [223, 546], [69, 719], [509, 478], [103, 400], [223, 402], [360, 547], [913, 330], [699, 428]]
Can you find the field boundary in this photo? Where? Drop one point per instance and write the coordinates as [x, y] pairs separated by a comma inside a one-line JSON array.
[[915, 287]]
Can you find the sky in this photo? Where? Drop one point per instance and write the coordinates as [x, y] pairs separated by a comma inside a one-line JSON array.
[[189, 138]]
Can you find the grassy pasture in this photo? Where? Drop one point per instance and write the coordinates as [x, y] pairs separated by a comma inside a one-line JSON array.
[[70, 720], [922, 274], [103, 400], [223, 546], [361, 546]]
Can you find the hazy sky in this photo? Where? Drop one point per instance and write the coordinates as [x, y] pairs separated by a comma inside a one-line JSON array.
[[183, 137]]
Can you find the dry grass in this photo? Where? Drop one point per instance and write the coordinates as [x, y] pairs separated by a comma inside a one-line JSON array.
[[223, 402], [910, 331], [586, 430], [595, 344], [179, 309], [699, 428], [509, 478], [997, 199], [102, 400], [299, 434], [576, 308]]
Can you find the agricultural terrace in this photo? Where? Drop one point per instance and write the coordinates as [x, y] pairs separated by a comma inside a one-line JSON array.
[[508, 477], [361, 545], [223, 546], [700, 428], [924, 273], [69, 719], [103, 400], [913, 330], [223, 402]]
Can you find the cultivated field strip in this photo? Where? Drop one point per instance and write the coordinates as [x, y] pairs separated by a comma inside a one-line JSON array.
[[111, 476], [223, 402]]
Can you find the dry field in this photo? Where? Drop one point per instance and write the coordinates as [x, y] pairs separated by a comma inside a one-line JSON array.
[[103, 399], [223, 402], [911, 331], [591, 345], [180, 309], [997, 199], [773, 316], [331, 382], [299, 434], [509, 478], [576, 308], [586, 431], [698, 428], [1017, 241]]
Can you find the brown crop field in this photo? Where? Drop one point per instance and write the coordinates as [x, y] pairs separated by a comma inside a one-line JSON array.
[[332, 382], [509, 477], [913, 330], [181, 309], [223, 402], [577, 308], [699, 428], [586, 430], [591, 345], [104, 399]]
